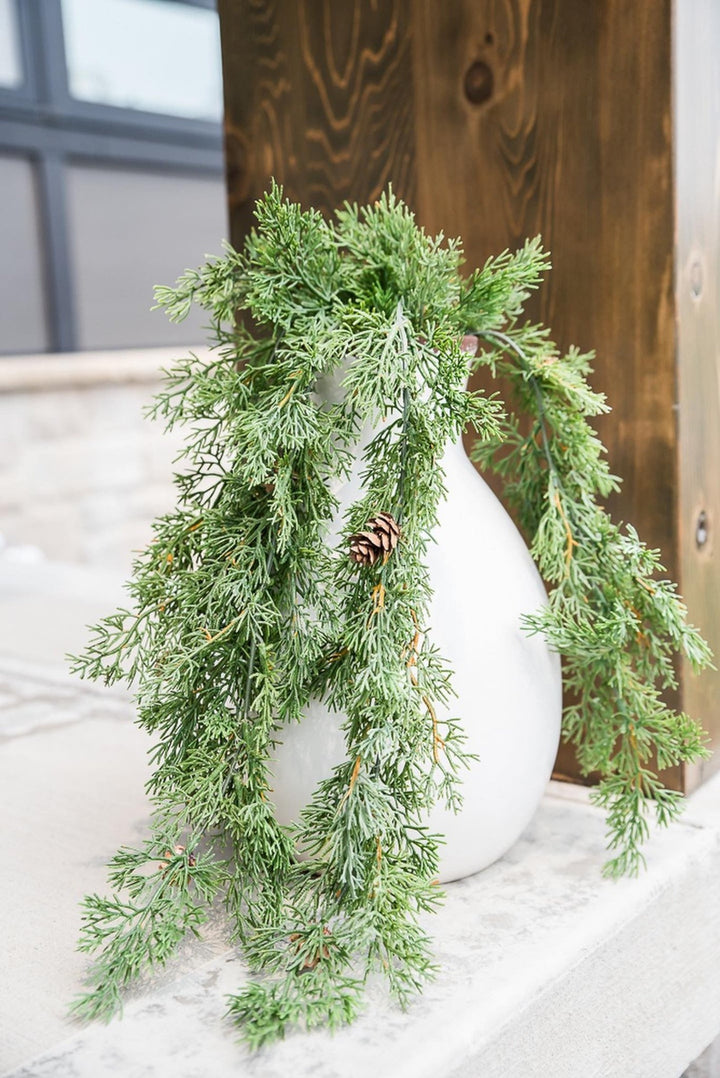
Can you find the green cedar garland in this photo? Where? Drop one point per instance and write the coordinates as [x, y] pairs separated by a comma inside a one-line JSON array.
[[241, 610]]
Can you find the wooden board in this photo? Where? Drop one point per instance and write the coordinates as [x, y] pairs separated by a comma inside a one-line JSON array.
[[496, 120], [318, 95], [574, 143], [697, 165]]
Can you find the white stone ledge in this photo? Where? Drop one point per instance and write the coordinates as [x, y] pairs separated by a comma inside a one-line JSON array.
[[62, 370], [546, 969]]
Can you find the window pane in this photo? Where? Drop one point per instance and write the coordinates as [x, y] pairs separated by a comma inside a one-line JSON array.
[[22, 312], [145, 54], [129, 231], [10, 64]]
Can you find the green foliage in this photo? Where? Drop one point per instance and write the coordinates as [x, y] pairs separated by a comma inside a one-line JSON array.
[[617, 626], [242, 611]]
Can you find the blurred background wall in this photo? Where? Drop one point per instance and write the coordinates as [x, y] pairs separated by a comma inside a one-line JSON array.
[[111, 181]]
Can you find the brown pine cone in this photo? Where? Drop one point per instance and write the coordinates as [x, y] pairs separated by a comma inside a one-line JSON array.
[[378, 540]]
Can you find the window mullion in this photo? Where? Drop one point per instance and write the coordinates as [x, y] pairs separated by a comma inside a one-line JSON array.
[[50, 45], [58, 268]]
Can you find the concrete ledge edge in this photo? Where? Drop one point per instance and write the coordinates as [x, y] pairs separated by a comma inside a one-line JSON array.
[[63, 370]]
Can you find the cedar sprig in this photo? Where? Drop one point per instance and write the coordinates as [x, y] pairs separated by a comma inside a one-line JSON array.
[[616, 622], [241, 610]]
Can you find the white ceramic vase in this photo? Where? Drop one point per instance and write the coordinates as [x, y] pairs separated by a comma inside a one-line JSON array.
[[508, 684]]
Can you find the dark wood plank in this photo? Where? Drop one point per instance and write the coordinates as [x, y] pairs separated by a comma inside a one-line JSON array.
[[499, 119], [574, 142], [319, 95]]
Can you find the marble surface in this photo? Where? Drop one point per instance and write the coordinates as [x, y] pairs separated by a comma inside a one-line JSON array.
[[546, 969]]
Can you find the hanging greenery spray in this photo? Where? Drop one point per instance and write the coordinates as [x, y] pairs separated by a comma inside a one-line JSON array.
[[242, 609]]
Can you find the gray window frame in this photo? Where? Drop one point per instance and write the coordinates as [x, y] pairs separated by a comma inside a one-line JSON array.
[[40, 121]]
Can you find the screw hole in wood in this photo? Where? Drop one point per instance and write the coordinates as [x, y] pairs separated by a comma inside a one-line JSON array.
[[701, 530]]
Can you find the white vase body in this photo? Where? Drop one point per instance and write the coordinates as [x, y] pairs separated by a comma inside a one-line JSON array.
[[508, 684]]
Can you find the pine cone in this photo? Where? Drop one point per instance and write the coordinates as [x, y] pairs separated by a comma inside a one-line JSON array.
[[378, 540]]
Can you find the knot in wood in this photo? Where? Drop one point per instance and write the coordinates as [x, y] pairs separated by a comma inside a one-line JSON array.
[[479, 82]]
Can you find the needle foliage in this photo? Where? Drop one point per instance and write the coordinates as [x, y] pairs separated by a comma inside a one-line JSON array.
[[241, 610]]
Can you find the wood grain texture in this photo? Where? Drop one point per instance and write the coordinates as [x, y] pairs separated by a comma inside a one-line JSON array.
[[697, 140], [575, 143], [319, 95], [499, 119]]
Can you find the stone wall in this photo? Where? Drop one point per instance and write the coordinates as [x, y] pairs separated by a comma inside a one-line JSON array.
[[82, 472]]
